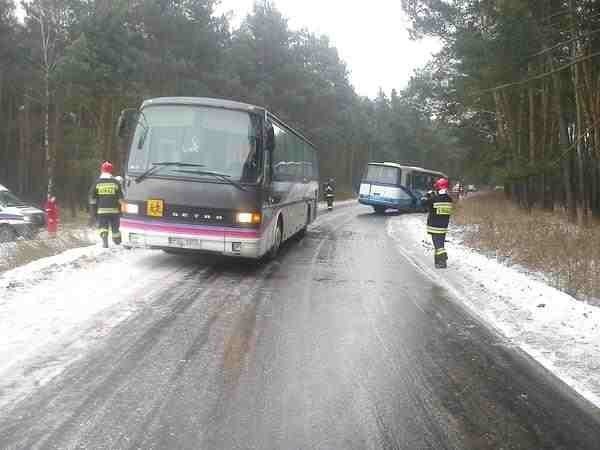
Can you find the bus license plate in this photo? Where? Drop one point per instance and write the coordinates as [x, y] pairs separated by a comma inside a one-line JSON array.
[[155, 208], [184, 243]]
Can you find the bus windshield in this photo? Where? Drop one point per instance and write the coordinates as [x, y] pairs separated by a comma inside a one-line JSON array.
[[383, 174], [217, 140]]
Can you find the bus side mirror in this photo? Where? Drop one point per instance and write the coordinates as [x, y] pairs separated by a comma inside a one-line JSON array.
[[127, 120]]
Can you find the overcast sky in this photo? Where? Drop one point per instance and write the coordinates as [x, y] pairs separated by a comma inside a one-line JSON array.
[[370, 36]]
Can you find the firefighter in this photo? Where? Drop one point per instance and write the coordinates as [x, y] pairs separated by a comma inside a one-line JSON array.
[[105, 204], [330, 193], [439, 204]]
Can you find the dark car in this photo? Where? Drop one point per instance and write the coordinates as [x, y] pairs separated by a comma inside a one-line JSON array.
[[17, 218]]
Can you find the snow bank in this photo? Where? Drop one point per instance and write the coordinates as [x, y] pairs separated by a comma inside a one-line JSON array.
[[52, 309], [322, 206], [23, 251], [560, 332]]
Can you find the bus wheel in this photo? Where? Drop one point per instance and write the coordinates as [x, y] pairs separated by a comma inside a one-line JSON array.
[[276, 241], [303, 230], [379, 209]]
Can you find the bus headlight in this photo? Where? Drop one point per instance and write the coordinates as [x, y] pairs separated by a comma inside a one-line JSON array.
[[246, 217], [131, 208]]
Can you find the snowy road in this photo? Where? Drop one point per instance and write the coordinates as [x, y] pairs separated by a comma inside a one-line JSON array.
[[343, 342]]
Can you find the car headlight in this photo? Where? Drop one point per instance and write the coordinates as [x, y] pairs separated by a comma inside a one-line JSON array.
[[27, 219], [131, 208], [246, 217]]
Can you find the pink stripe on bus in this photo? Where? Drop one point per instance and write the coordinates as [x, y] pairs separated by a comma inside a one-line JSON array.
[[195, 230]]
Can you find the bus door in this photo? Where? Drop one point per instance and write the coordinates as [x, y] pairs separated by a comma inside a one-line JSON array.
[[421, 183]]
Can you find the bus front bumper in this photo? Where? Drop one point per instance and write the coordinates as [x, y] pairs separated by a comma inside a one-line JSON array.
[[216, 240]]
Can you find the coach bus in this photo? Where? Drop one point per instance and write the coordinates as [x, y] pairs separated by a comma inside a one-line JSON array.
[[395, 186], [216, 176]]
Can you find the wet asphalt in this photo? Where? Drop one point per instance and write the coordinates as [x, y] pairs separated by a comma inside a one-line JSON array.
[[338, 344]]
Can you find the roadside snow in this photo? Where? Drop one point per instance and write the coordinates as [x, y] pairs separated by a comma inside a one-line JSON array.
[[322, 206], [23, 251], [53, 309], [560, 332]]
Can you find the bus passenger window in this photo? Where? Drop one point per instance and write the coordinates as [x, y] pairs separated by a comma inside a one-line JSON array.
[[281, 163]]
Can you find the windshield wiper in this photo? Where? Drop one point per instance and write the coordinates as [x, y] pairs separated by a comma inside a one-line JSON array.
[[158, 165], [221, 176]]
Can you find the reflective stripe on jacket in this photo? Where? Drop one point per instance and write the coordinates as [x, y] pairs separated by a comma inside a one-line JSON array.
[[106, 195], [440, 209]]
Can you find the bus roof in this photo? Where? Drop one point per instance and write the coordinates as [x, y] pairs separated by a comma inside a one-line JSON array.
[[401, 166], [203, 101], [221, 103]]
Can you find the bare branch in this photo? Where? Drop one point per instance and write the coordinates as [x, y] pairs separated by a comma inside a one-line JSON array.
[[538, 77], [568, 41]]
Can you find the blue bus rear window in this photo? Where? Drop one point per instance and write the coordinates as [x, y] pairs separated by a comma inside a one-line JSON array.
[[383, 174]]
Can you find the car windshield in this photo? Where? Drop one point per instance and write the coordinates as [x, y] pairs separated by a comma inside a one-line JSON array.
[[218, 140], [383, 174], [7, 198]]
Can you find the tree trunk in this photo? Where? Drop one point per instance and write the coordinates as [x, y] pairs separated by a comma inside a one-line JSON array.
[[46, 140], [567, 172], [579, 144], [522, 154], [594, 182], [27, 148], [563, 146], [576, 52], [532, 141], [58, 153], [547, 142]]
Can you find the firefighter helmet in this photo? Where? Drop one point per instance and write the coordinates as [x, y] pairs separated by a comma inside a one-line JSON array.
[[106, 167], [441, 184]]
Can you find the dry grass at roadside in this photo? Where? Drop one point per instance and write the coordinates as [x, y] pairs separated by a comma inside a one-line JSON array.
[[541, 241]]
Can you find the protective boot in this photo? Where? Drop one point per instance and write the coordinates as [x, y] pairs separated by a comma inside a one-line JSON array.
[[117, 239], [440, 259], [104, 240], [443, 263]]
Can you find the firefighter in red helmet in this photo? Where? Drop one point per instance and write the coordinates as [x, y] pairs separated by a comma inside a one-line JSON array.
[[440, 207], [105, 204]]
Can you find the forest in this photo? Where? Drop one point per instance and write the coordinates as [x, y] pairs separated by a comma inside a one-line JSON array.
[[512, 98], [70, 66], [525, 75]]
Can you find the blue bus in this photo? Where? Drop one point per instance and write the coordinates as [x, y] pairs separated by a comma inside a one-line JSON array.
[[395, 186], [216, 176]]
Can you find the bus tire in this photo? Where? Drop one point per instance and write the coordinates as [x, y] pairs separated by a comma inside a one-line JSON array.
[[302, 232], [277, 241], [379, 209]]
